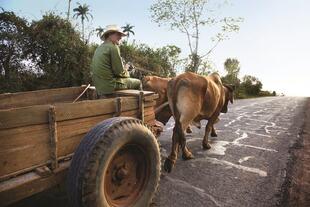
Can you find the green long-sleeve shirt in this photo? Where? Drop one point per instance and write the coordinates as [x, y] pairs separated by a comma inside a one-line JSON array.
[[107, 68]]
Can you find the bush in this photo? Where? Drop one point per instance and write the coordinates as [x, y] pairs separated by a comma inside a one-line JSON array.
[[162, 61]]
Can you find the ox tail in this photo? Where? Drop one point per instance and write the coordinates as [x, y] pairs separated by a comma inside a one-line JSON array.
[[171, 95], [172, 92]]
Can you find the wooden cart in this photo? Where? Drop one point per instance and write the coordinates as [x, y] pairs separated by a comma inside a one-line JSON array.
[[116, 164]]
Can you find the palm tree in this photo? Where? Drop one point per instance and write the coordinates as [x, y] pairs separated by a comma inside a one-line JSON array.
[[99, 31], [128, 29], [68, 13], [83, 12]]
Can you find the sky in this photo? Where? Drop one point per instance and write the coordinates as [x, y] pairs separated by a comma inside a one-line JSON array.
[[273, 43]]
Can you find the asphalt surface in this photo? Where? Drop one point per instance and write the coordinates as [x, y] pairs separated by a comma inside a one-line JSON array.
[[247, 163], [246, 166]]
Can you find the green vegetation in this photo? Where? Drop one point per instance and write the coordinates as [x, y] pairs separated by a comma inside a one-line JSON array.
[[52, 53], [49, 53], [83, 12], [190, 17], [248, 87]]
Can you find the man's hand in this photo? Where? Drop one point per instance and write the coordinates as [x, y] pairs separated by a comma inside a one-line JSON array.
[[127, 67]]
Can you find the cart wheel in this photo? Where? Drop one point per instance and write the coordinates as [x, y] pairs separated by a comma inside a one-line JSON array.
[[116, 164]]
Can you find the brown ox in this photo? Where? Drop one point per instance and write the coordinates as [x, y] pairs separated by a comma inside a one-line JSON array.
[[163, 113], [162, 110], [192, 98], [159, 85]]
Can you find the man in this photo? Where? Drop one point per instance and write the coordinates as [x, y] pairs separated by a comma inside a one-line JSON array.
[[107, 69]]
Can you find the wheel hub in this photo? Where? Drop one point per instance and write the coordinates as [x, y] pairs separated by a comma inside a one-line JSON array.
[[126, 176]]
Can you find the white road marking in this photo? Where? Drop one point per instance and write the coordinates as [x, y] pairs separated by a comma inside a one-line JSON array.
[[230, 164], [245, 159], [217, 148], [231, 122], [199, 191], [255, 147], [243, 136]]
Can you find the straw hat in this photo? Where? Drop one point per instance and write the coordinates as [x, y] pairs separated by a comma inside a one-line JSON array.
[[112, 28]]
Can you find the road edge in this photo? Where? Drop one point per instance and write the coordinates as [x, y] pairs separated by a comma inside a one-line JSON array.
[[296, 187]]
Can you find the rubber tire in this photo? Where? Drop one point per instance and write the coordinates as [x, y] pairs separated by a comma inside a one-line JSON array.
[[99, 144]]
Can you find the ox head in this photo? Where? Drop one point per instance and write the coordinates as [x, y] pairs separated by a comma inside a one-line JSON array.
[[229, 96]]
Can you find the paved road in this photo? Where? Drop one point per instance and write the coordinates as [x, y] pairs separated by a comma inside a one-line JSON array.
[[247, 163]]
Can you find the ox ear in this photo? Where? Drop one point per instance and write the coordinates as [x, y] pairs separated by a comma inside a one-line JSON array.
[[230, 87], [231, 99], [145, 79]]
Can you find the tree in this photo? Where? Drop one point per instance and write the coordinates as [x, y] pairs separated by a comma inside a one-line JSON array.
[[251, 85], [127, 29], [232, 67], [188, 17], [59, 54], [99, 31], [69, 6], [159, 61], [14, 51], [83, 12]]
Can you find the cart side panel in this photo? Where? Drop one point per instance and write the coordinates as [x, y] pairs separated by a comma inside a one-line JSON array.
[[70, 132], [25, 136], [68, 111], [40, 97], [25, 116], [23, 147]]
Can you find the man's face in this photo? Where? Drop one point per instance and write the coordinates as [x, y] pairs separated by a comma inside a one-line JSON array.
[[115, 37]]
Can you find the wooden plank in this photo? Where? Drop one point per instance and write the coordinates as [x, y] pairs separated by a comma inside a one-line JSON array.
[[135, 113], [148, 95], [67, 111], [151, 98], [39, 97], [17, 117], [53, 136], [136, 93], [29, 184], [23, 147], [149, 118], [141, 106], [32, 115], [71, 132], [118, 106]]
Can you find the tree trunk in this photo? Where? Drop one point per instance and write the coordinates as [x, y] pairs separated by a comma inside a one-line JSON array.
[[83, 30], [194, 63], [68, 13]]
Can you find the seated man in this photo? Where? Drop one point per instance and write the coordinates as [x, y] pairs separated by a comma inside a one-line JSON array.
[[107, 69]]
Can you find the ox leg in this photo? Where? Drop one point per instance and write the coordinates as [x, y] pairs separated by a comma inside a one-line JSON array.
[[213, 132], [171, 159], [209, 128], [186, 154]]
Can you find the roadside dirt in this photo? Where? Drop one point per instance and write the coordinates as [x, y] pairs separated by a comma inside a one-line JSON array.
[[297, 185]]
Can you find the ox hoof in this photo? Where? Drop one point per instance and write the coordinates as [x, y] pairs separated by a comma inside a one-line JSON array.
[[189, 130], [187, 156], [214, 134], [168, 165], [206, 146]]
